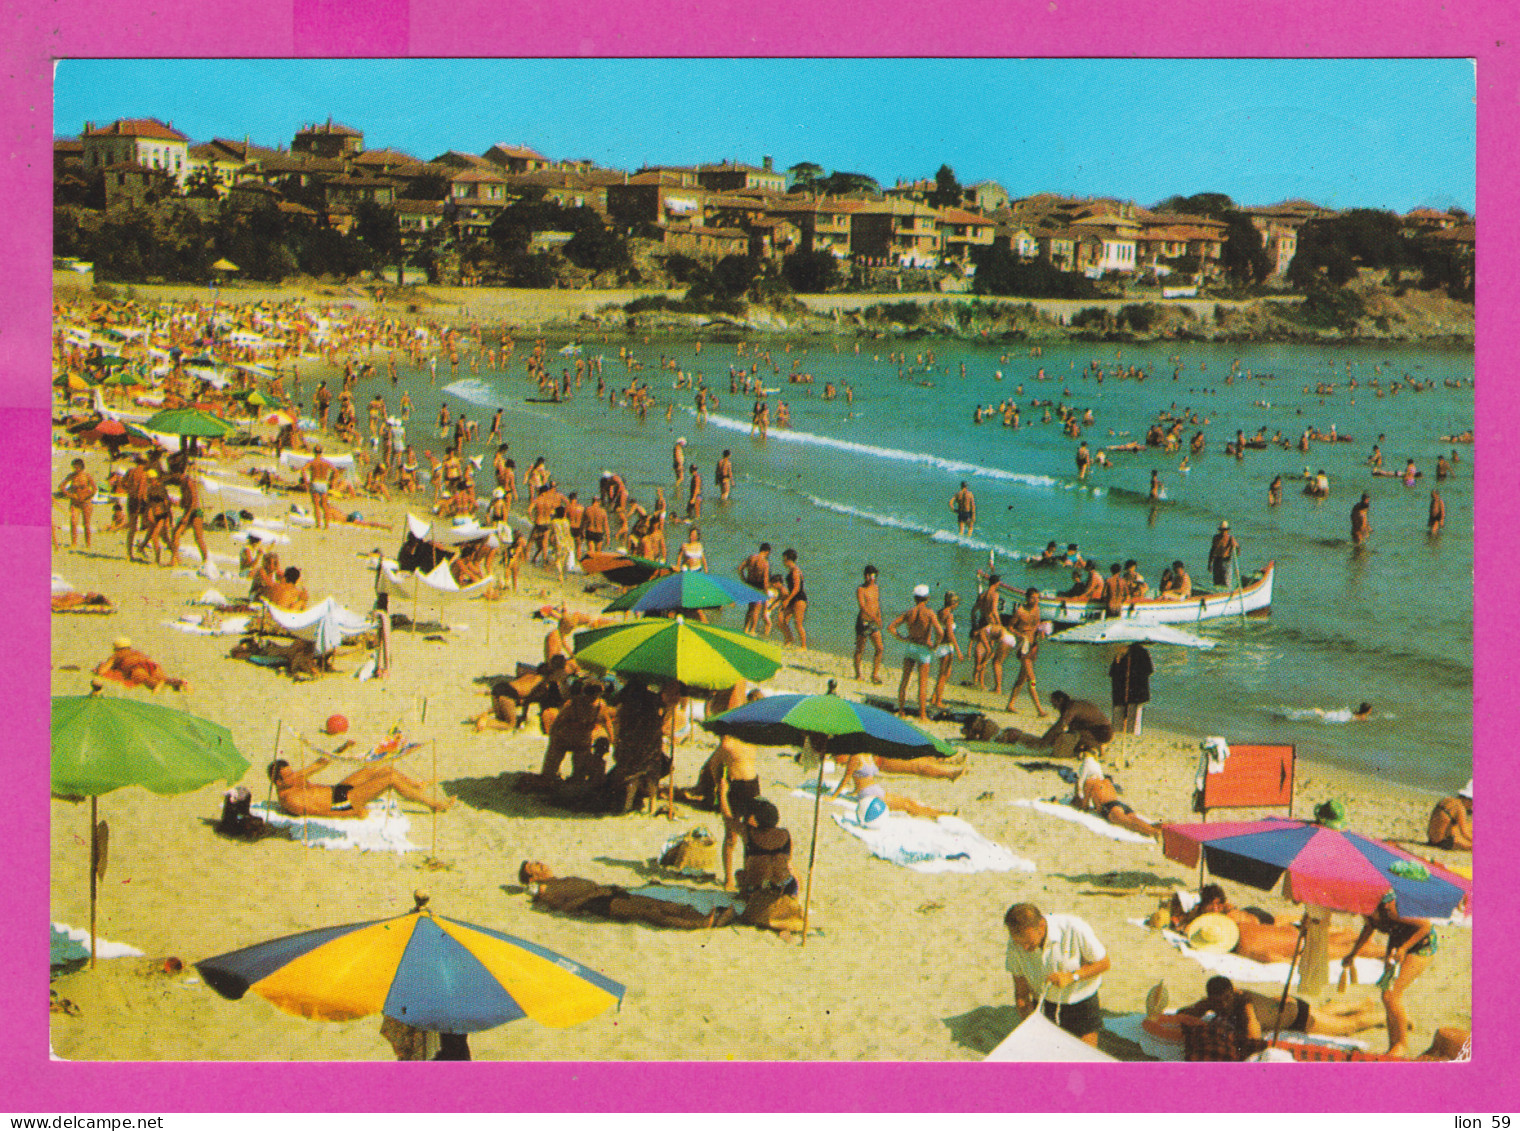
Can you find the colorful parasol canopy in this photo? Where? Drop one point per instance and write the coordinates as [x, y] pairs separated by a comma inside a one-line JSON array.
[[623, 569], [101, 743], [688, 589], [850, 728], [189, 422], [696, 654], [1341, 870], [428, 971]]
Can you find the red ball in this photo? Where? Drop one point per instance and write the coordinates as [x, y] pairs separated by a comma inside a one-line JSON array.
[[336, 724]]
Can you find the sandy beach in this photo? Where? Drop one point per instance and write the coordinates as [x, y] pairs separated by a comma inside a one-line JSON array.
[[899, 965]]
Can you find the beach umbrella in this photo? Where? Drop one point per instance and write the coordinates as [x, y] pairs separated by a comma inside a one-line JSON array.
[[824, 721], [1330, 868], [189, 422], [108, 361], [689, 652], [1131, 630], [623, 569], [72, 382], [122, 378], [101, 744], [225, 265], [688, 589], [675, 649], [422, 969]]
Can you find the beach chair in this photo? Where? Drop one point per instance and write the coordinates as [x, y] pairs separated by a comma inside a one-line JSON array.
[[1254, 776]]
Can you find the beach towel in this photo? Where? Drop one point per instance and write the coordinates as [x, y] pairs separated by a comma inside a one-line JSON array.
[[703, 900], [195, 624], [326, 625], [1090, 821], [384, 829], [1240, 969], [72, 944], [1130, 1027], [946, 845], [1213, 751]]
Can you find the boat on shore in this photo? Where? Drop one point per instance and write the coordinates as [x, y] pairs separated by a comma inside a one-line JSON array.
[[1252, 598]]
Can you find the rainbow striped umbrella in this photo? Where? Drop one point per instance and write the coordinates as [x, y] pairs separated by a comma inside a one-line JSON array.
[[422, 969]]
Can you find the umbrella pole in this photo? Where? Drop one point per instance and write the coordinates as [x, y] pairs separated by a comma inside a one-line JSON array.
[[807, 897], [94, 864], [1298, 949], [670, 791]]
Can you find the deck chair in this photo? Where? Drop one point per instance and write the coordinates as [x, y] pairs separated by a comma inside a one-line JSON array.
[[1254, 776]]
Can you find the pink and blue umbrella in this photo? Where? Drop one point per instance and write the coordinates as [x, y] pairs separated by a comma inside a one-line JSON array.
[[1341, 870]]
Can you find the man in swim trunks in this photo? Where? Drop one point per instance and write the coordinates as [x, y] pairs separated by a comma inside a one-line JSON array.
[[192, 517], [738, 772], [868, 623], [317, 475], [541, 511], [575, 895], [1299, 1016], [576, 727], [1433, 523], [923, 634], [301, 797], [1361, 520], [964, 506], [725, 476], [1084, 460], [127, 665], [1222, 551], [755, 571], [288, 593], [1081, 725]]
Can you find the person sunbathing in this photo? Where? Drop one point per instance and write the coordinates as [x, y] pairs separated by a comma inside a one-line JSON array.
[[1451, 821], [288, 593], [1261, 938], [1096, 792], [127, 665], [1298, 1015], [861, 772], [301, 797], [511, 698], [577, 896]]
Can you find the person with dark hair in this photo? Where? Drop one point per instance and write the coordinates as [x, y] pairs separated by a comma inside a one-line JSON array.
[[794, 601], [1057, 958], [301, 797], [868, 623], [576, 896], [1221, 1026], [1412, 943], [767, 851], [964, 506], [755, 572], [583, 719], [1081, 726], [1129, 677], [1024, 623], [1298, 1015], [288, 593]]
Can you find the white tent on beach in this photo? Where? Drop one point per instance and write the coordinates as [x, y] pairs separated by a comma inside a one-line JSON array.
[[326, 625], [1038, 1040]]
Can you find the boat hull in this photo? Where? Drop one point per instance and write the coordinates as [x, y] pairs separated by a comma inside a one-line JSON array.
[[1254, 598]]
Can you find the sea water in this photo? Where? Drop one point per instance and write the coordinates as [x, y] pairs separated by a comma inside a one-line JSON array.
[[871, 482]]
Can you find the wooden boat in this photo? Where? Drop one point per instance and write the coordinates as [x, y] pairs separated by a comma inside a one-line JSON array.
[[1253, 598]]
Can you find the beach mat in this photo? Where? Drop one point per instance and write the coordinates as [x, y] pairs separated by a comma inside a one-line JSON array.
[[1239, 969], [383, 829]]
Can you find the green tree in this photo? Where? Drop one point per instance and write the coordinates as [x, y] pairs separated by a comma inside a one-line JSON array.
[[594, 245], [804, 176], [811, 272], [202, 184], [947, 190], [839, 184], [376, 227], [1212, 204], [1245, 254], [1000, 272]]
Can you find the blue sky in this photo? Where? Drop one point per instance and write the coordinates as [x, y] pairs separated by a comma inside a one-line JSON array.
[[1345, 133]]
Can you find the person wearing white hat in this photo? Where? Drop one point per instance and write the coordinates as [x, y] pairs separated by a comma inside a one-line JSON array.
[[1222, 553], [923, 634], [1451, 821]]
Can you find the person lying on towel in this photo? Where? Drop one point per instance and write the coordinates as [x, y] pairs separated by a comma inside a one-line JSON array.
[[1097, 793], [1261, 938], [127, 665], [301, 797], [578, 896]]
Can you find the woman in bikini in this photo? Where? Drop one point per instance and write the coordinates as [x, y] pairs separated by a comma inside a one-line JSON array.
[[1412, 943], [301, 797], [949, 649], [862, 772], [1096, 792], [691, 555]]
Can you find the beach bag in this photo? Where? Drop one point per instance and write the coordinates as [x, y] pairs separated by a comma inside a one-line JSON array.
[[695, 851]]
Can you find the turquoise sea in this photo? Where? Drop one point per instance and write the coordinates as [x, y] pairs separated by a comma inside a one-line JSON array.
[[871, 481]]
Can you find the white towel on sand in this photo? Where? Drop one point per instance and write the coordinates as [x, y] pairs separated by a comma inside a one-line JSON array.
[[192, 623], [69, 944], [946, 845], [383, 829], [1240, 969], [1088, 820]]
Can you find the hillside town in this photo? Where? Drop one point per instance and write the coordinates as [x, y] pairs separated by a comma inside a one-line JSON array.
[[431, 213]]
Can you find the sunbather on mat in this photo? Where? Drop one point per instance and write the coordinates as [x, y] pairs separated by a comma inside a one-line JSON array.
[[82, 603], [1096, 792], [127, 665], [587, 897], [861, 771], [301, 797]]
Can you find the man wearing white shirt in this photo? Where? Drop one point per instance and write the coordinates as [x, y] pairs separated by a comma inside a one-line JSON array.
[[1060, 955]]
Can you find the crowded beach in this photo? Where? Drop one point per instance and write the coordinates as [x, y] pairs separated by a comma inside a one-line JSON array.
[[415, 658]]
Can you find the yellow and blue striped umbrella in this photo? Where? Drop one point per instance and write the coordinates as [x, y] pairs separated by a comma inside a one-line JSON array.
[[425, 970]]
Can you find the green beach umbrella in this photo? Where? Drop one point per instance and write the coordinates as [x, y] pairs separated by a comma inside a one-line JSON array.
[[123, 377], [688, 589], [189, 422], [696, 654], [110, 360], [100, 744]]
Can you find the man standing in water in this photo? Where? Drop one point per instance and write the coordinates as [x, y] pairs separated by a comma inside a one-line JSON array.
[[1222, 553], [868, 623], [964, 506], [1437, 518], [756, 573], [725, 476], [923, 635], [1361, 520]]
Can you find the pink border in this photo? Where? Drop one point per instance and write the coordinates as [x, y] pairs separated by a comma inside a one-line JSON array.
[[315, 28]]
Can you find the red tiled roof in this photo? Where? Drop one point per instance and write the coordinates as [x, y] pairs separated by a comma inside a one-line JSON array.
[[137, 127], [330, 127], [961, 216], [68, 145], [517, 151], [478, 176]]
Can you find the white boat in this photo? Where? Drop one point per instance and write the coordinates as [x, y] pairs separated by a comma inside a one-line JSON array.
[[1253, 598]]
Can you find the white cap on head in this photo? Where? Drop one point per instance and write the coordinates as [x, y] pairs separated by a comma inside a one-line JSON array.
[[681, 440], [1466, 790], [920, 591]]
